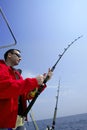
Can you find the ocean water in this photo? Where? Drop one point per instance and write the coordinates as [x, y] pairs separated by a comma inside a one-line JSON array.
[[74, 122]]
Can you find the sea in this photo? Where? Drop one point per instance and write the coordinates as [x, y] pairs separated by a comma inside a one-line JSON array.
[[74, 122]]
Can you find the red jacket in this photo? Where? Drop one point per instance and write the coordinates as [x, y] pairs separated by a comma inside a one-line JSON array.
[[10, 89]]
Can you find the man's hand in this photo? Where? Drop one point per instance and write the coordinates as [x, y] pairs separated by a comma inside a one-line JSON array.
[[49, 74], [40, 79]]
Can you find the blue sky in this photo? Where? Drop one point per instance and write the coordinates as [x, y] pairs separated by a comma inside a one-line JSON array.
[[43, 28]]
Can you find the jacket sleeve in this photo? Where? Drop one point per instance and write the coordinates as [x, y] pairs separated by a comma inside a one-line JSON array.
[[10, 87], [14, 88]]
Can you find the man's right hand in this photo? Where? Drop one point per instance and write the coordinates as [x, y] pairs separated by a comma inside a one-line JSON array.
[[40, 79]]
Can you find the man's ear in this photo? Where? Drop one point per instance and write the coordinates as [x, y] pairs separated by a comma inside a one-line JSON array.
[[9, 54]]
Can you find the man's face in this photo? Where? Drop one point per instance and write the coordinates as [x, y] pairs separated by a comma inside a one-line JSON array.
[[15, 58]]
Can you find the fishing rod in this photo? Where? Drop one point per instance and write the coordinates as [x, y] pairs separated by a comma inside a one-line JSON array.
[[34, 122], [33, 119], [15, 42], [55, 111], [47, 77]]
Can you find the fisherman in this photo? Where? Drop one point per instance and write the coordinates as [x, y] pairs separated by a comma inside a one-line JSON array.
[[14, 90]]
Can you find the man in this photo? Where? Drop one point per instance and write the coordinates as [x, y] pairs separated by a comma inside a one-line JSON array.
[[13, 86]]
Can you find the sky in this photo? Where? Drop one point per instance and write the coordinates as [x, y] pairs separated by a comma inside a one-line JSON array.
[[43, 28]]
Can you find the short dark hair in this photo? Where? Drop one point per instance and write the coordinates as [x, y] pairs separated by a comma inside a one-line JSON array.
[[10, 51]]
